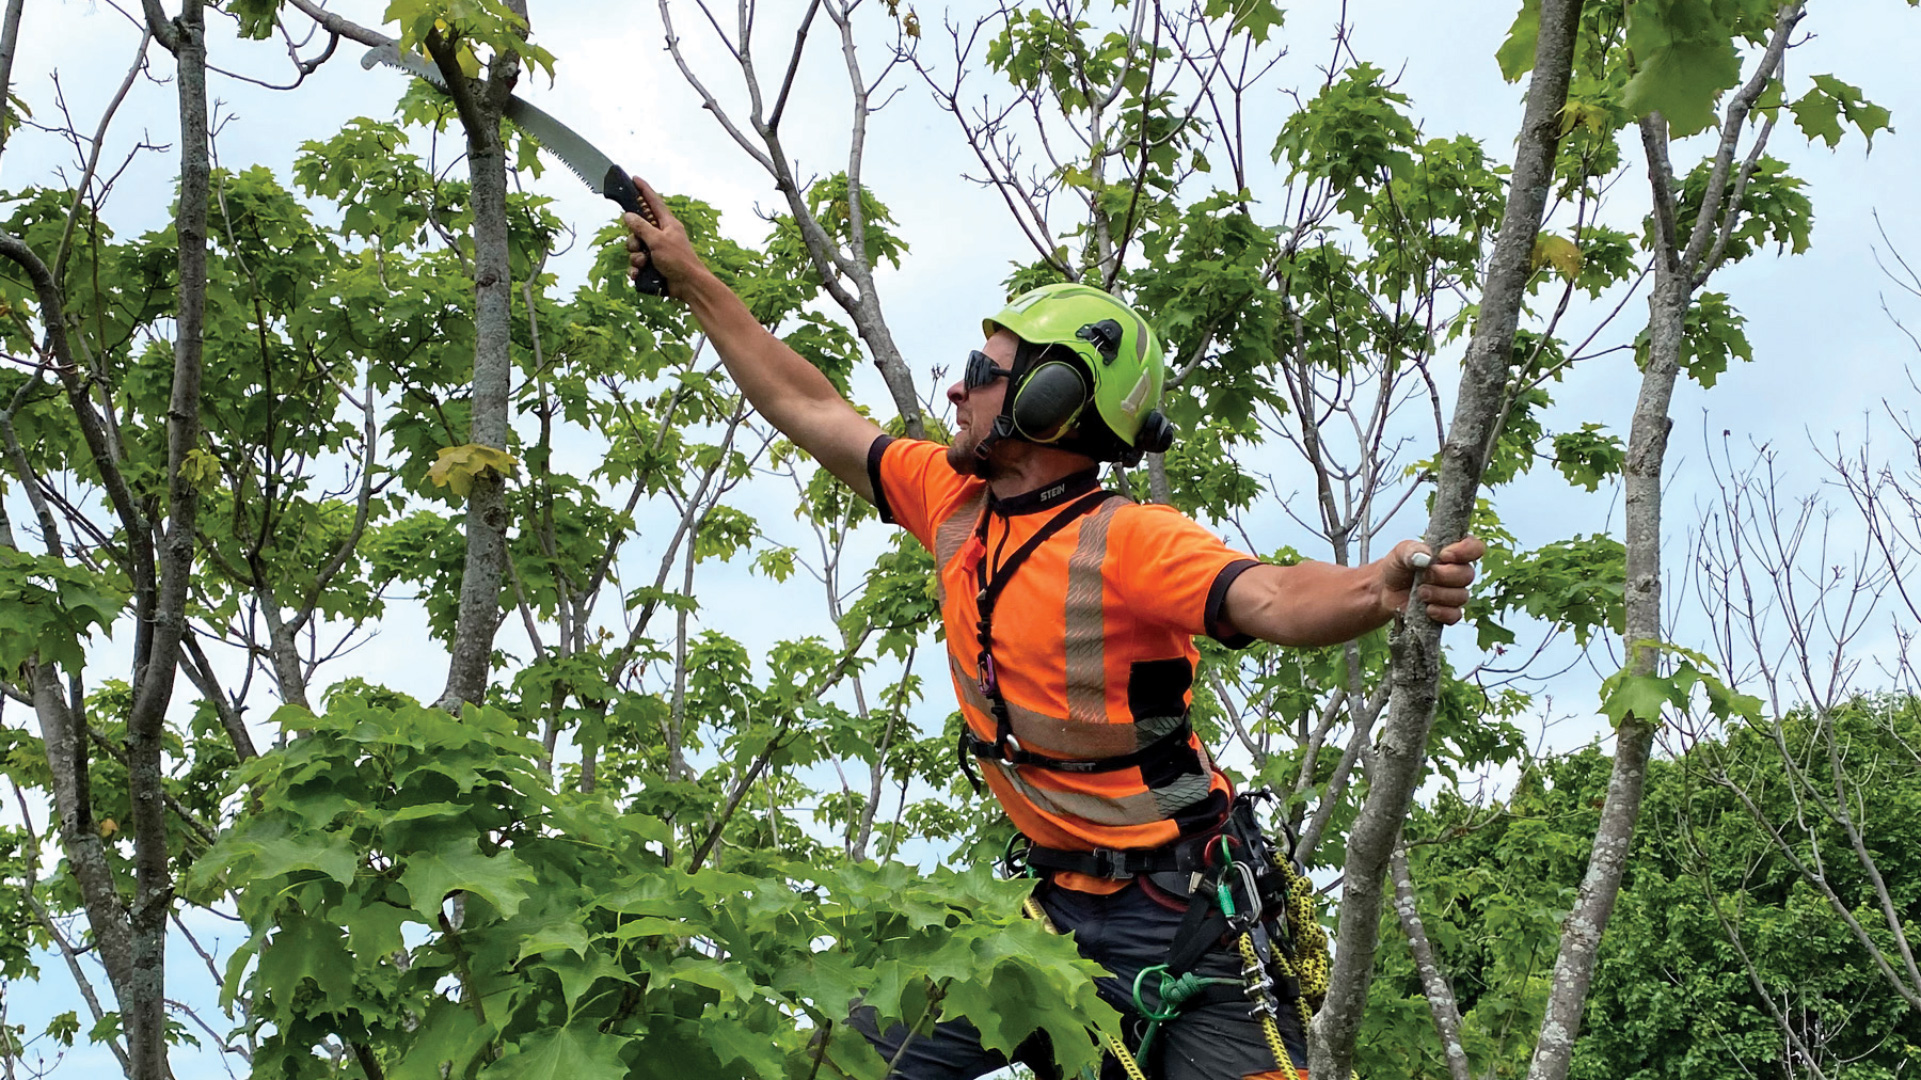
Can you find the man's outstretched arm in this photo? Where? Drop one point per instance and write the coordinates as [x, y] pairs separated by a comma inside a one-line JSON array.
[[1315, 603], [783, 387]]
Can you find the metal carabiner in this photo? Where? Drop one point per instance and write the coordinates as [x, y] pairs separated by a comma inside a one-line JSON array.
[[1246, 871]]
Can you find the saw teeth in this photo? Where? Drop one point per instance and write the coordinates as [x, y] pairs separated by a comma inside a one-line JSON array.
[[390, 56]]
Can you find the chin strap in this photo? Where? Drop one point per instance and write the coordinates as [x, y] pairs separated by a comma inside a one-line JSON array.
[[1003, 429]]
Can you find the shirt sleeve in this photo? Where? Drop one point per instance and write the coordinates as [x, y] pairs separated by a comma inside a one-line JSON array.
[[913, 484], [1175, 572]]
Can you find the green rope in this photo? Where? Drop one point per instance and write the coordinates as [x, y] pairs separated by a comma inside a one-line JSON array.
[[1172, 994]]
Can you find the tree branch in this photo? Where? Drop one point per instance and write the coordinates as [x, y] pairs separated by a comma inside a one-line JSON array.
[[1396, 764], [1440, 994]]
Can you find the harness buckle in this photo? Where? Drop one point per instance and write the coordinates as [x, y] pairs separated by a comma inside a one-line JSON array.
[[1111, 864]]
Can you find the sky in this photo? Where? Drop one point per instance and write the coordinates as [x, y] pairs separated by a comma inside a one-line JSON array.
[[1826, 355]]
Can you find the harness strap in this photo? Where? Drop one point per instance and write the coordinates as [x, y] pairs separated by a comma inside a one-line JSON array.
[[1184, 857], [1005, 746], [1011, 751]]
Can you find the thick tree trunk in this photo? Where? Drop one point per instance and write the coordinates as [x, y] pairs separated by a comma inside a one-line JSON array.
[[1395, 766], [486, 566]]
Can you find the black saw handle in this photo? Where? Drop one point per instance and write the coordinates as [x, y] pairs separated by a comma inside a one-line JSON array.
[[619, 187]]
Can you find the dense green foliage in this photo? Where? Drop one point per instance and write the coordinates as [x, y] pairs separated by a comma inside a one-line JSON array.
[[579, 943], [1710, 907]]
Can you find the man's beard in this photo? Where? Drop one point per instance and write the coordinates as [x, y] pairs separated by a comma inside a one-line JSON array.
[[968, 461]]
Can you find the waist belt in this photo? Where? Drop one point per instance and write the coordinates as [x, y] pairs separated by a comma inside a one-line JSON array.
[[1008, 749], [1188, 855]]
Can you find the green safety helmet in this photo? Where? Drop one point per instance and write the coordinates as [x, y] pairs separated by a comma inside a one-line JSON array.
[[1081, 346]]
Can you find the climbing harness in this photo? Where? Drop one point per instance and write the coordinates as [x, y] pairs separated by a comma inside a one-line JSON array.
[[1240, 891], [1005, 746]]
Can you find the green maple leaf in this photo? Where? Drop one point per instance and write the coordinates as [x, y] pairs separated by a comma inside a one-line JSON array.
[[374, 929], [336, 859], [1516, 54], [1255, 18], [828, 979], [1818, 115], [734, 1041], [1016, 984], [89, 603], [577, 975], [450, 1037], [304, 948], [460, 866], [1820, 112], [554, 937], [1686, 58], [1639, 696], [570, 1053]]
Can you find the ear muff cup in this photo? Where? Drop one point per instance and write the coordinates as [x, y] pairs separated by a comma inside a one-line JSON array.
[[1156, 434], [1048, 401]]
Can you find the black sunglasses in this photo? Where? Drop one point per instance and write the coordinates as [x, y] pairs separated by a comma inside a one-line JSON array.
[[981, 370]]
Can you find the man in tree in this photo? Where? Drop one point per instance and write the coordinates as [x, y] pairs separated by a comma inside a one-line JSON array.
[[1071, 616]]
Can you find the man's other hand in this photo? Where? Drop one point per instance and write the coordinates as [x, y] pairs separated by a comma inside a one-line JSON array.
[[1444, 577]]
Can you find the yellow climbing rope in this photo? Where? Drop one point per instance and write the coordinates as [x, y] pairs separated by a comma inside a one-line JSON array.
[[1269, 1029], [1304, 959], [1310, 960]]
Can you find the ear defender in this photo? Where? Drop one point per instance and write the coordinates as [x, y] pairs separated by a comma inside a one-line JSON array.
[[1156, 434], [1049, 400]]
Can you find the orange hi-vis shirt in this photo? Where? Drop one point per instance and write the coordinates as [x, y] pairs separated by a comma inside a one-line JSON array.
[[1093, 646]]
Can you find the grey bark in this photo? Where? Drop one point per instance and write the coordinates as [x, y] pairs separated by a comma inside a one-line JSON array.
[[283, 649], [1634, 737], [143, 1006], [1395, 766], [67, 952], [1681, 265], [1434, 982], [336, 24], [65, 738], [480, 104]]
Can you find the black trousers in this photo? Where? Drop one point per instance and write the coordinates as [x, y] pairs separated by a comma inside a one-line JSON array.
[[1124, 933]]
